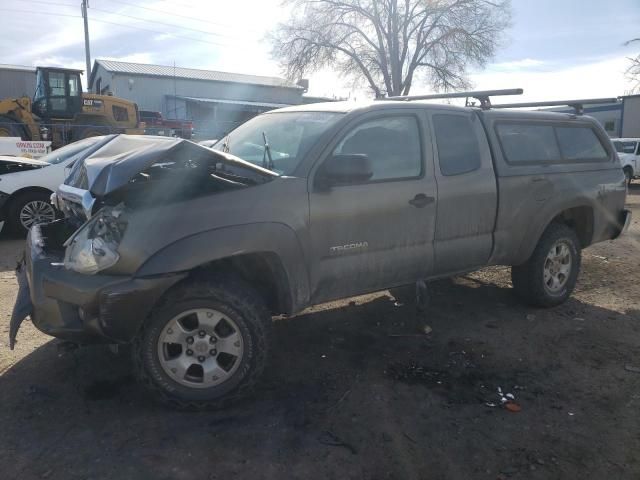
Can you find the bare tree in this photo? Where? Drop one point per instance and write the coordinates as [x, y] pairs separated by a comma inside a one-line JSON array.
[[633, 72], [389, 42]]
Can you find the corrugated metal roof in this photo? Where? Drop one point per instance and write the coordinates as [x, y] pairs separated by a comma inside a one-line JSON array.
[[232, 102], [192, 73], [23, 68]]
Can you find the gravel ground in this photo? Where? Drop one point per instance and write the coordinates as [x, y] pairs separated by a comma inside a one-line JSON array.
[[356, 390]]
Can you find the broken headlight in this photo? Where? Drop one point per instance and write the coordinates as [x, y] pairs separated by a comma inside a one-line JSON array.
[[94, 246]]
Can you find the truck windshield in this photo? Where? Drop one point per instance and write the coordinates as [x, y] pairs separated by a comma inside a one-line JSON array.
[[68, 151], [290, 134]]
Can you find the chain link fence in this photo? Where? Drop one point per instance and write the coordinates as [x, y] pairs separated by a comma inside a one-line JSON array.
[[63, 133]]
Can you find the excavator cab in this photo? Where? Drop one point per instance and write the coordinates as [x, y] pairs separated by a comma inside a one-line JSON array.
[[58, 93]]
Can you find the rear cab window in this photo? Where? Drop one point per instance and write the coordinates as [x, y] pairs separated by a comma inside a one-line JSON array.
[[457, 144], [547, 142], [580, 143], [528, 143]]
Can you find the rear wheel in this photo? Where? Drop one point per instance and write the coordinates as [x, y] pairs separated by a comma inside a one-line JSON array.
[[11, 128], [28, 209], [549, 276], [205, 345]]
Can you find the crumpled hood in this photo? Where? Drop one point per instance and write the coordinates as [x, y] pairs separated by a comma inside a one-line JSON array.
[[126, 156]]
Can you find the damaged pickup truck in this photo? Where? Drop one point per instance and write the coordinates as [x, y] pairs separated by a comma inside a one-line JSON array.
[[187, 252]]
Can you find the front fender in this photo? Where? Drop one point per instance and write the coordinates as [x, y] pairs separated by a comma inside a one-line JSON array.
[[206, 247]]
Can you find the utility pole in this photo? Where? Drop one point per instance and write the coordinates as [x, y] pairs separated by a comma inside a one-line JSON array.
[[85, 4]]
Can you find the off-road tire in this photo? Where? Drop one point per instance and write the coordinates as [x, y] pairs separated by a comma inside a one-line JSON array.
[[226, 294], [11, 128], [528, 278], [15, 207]]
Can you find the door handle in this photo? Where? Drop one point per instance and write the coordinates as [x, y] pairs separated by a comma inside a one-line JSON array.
[[421, 200]]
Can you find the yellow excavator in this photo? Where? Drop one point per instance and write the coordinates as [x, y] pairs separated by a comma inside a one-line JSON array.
[[62, 113]]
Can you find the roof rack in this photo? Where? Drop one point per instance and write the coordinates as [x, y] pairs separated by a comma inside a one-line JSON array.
[[481, 95], [577, 105]]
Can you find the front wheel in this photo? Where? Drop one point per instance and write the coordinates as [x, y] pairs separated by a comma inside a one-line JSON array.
[[205, 345], [549, 276], [28, 209]]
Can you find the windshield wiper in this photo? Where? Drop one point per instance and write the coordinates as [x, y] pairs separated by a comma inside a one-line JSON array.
[[266, 154]]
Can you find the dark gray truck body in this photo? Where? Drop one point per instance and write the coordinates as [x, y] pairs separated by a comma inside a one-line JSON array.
[[299, 244]]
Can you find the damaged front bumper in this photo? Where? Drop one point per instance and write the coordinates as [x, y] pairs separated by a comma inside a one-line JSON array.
[[81, 308]]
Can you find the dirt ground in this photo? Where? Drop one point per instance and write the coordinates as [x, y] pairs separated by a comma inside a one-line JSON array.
[[356, 391]]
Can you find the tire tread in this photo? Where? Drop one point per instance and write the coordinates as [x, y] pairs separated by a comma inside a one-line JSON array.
[[527, 278], [240, 297]]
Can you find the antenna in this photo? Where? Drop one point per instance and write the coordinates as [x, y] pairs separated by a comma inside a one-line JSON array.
[[481, 95], [577, 105]]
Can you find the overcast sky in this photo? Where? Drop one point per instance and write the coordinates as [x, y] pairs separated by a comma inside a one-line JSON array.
[[555, 49]]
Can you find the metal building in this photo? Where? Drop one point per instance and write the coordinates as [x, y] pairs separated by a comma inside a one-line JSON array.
[[215, 101], [630, 117], [17, 81]]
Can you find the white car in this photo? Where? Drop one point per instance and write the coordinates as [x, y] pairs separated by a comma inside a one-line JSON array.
[[26, 185], [629, 152], [208, 143]]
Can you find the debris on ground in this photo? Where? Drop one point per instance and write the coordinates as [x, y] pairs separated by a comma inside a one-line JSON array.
[[531, 317], [508, 400], [632, 368], [427, 329], [512, 406], [413, 372]]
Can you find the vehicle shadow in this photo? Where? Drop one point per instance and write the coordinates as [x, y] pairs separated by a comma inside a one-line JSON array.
[[355, 390]]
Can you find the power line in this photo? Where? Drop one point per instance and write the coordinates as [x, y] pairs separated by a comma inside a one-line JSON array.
[[39, 13], [163, 23], [54, 4], [116, 24], [169, 13], [170, 25]]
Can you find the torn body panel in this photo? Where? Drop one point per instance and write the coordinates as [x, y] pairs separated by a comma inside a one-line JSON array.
[[126, 157], [151, 171]]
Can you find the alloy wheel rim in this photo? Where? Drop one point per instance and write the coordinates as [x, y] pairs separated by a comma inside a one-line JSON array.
[[36, 211], [557, 266], [200, 348]]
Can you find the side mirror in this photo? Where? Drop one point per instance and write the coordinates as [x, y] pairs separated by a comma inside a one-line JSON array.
[[345, 169]]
